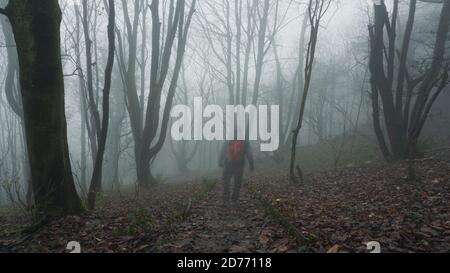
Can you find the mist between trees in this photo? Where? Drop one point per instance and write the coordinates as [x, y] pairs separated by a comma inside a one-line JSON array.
[[237, 123], [87, 87]]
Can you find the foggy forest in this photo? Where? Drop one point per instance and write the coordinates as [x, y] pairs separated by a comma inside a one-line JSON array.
[[224, 126]]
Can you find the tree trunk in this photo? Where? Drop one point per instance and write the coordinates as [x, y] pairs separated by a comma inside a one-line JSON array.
[[144, 176], [92, 104], [261, 52], [96, 180], [316, 11], [36, 27], [114, 139], [83, 108], [14, 101]]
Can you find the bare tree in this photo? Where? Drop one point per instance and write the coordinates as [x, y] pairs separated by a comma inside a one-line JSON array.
[[225, 38], [316, 11], [406, 101], [182, 152], [297, 82], [149, 127], [96, 180], [93, 118], [154, 123]]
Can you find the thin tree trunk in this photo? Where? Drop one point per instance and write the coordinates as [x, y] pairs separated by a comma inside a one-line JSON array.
[[97, 174], [83, 108], [316, 11], [92, 103]]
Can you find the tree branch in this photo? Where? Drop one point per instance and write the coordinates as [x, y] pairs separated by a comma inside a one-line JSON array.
[[432, 1], [4, 12]]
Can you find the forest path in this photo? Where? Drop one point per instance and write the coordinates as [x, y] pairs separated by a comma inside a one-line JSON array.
[[333, 211], [212, 228]]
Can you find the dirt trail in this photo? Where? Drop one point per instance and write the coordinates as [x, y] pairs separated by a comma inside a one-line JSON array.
[[213, 228]]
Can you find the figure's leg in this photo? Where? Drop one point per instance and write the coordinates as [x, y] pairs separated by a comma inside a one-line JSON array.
[[238, 175], [226, 179]]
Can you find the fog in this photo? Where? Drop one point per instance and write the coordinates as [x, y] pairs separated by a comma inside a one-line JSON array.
[[155, 93], [340, 82]]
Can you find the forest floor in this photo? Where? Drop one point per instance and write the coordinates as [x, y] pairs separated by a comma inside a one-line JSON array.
[[336, 211]]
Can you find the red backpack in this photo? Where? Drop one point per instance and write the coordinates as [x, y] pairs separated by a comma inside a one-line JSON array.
[[235, 150]]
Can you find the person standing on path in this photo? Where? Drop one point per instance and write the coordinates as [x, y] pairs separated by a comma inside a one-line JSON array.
[[232, 159]]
